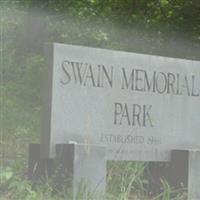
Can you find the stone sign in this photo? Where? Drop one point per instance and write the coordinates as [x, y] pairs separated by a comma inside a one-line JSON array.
[[138, 106]]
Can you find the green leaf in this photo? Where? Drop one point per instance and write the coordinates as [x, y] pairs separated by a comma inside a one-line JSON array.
[[164, 2], [6, 174]]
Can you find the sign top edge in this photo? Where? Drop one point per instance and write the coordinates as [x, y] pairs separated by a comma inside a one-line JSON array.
[[55, 44]]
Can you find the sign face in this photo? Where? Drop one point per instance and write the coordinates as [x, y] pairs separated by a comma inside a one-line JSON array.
[[139, 106]]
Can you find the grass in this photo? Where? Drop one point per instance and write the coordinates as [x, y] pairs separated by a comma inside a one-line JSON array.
[[125, 181]]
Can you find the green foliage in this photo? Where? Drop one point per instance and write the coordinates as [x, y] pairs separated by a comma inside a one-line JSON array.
[[20, 188], [125, 180], [170, 193], [6, 174]]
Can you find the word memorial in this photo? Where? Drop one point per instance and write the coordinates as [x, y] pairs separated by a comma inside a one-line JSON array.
[[110, 105]]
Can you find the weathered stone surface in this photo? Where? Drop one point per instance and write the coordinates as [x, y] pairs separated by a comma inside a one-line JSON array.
[[139, 106], [194, 175]]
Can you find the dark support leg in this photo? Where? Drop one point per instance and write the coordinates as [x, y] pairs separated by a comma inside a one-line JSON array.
[[39, 169], [174, 172], [178, 174]]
